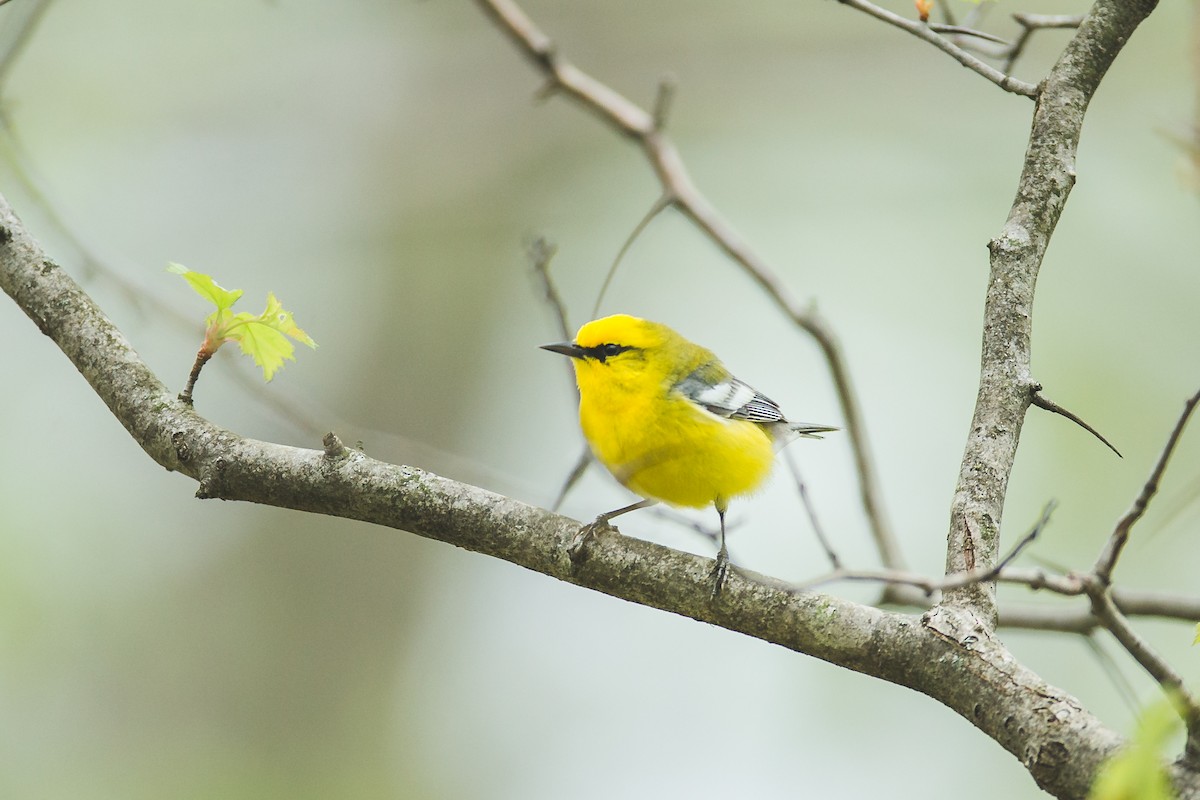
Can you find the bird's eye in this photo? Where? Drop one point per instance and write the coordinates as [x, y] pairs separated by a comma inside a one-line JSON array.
[[602, 352]]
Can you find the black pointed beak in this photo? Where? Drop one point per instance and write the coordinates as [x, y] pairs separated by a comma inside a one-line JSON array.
[[565, 348]]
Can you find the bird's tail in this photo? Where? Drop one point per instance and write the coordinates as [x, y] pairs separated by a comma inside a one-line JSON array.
[[808, 430], [784, 433]]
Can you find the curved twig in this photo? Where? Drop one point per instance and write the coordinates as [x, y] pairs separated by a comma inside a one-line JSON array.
[[923, 32], [630, 120]]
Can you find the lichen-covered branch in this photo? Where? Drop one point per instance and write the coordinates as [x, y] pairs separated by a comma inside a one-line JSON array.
[[946, 654], [1006, 384]]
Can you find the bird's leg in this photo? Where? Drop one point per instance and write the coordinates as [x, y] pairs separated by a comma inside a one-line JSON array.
[[721, 569], [578, 547]]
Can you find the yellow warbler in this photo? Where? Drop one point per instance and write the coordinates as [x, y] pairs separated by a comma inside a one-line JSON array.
[[670, 422]]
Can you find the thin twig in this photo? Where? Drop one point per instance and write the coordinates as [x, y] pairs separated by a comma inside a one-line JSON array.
[[662, 203], [959, 30], [541, 252], [923, 32], [955, 580], [662, 101], [1043, 402], [1068, 584], [947, 11], [1113, 670], [1120, 535], [581, 465], [1030, 24], [630, 120], [202, 357], [806, 501], [1170, 680]]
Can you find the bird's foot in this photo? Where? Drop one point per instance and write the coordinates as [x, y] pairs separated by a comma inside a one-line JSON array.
[[720, 572], [577, 550]]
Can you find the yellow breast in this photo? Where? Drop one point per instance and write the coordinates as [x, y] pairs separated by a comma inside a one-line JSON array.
[[665, 447]]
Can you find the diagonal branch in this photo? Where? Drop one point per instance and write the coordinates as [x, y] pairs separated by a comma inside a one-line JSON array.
[[922, 31], [1120, 535], [1030, 24], [944, 654], [1005, 384], [630, 120], [1168, 678]]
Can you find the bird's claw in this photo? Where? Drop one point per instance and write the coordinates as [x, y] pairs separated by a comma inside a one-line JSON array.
[[577, 550], [720, 572]]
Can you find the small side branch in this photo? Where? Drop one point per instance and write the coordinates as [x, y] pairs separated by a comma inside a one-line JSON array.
[[924, 32], [1171, 681], [930, 586], [818, 529], [1043, 402], [1120, 535], [959, 30], [1031, 24]]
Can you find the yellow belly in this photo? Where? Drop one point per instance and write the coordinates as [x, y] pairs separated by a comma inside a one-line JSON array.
[[682, 456]]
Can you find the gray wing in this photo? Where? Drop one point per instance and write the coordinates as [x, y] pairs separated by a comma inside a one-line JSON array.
[[728, 397]]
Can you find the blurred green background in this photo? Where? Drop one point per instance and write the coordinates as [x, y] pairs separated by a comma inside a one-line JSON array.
[[381, 166]]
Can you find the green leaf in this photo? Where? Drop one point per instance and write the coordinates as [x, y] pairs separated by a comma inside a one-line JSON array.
[[1197, 639], [1138, 771], [282, 321], [267, 346], [206, 287], [263, 337]]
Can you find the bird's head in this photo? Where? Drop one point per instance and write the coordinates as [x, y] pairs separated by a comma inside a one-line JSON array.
[[623, 346]]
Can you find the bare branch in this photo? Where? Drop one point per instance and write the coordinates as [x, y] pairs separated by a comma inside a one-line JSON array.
[[677, 185], [661, 204], [928, 585], [662, 101], [541, 253], [1170, 680], [1030, 24], [1120, 535], [806, 501], [924, 33], [959, 30], [581, 465], [945, 654], [1005, 383]]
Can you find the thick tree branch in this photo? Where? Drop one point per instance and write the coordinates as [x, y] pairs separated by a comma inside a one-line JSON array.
[[945, 654], [1006, 385]]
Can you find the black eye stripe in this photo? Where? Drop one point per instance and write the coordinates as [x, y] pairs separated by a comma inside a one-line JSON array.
[[604, 351]]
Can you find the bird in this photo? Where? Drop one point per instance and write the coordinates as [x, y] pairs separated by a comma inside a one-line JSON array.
[[671, 423]]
